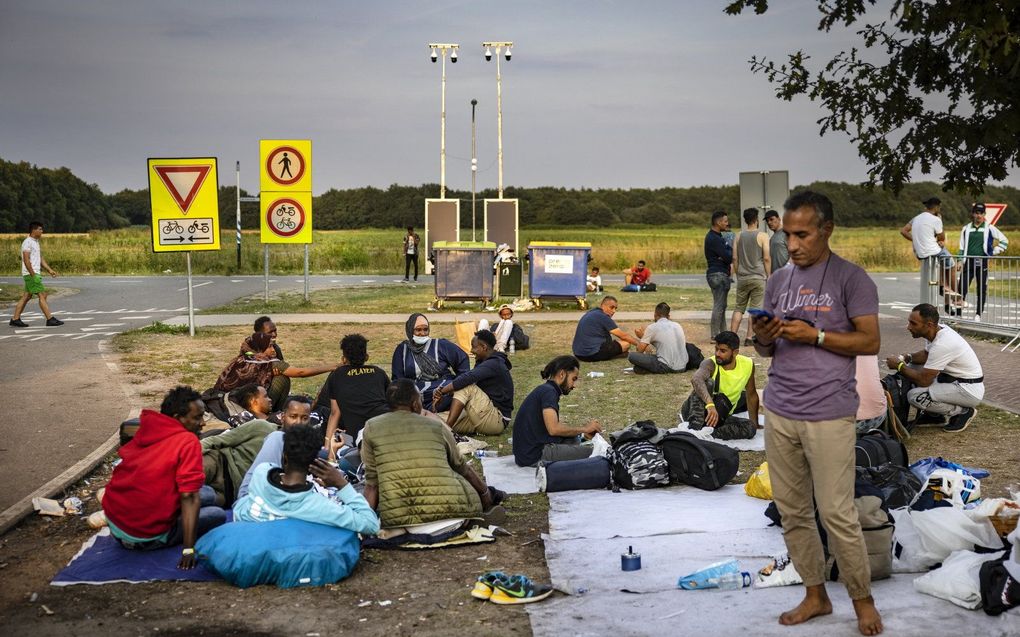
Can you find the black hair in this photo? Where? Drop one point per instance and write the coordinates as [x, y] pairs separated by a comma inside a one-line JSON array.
[[729, 339], [410, 228], [244, 394], [486, 337], [301, 445], [810, 199], [928, 312], [560, 364], [297, 398], [750, 215], [402, 393], [641, 262], [595, 268], [717, 215], [177, 401], [355, 349], [261, 321], [662, 309], [607, 298], [771, 213], [35, 224]]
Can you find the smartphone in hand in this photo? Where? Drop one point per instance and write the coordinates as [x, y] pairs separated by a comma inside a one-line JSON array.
[[760, 314]]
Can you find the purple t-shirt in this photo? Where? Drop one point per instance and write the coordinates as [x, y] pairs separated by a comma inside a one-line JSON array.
[[808, 382]]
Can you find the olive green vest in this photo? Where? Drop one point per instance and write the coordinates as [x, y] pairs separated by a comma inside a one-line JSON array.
[[416, 483]]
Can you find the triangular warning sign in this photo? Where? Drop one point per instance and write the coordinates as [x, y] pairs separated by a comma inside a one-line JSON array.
[[183, 182]]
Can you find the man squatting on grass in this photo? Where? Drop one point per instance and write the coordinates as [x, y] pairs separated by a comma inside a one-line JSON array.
[[825, 313]]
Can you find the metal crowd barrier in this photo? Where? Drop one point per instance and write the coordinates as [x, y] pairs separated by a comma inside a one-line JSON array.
[[981, 293]]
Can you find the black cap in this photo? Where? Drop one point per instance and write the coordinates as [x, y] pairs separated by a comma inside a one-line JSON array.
[[931, 201], [770, 213], [978, 207]]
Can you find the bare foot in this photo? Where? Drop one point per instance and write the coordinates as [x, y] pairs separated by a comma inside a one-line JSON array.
[[815, 603], [869, 622]]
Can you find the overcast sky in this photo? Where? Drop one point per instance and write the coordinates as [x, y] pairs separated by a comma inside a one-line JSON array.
[[598, 93]]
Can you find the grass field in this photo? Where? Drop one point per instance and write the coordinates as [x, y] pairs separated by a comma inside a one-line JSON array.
[[129, 251]]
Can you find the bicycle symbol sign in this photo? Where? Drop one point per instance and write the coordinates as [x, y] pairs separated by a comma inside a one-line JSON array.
[[181, 232], [285, 217]]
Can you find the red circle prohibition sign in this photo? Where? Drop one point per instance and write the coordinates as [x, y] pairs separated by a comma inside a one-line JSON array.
[[295, 218], [274, 154]]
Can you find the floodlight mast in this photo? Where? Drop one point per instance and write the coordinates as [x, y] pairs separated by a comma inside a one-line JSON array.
[[439, 49], [498, 46]]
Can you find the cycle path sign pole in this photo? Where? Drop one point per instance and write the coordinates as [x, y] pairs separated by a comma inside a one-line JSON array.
[[286, 198], [184, 200]]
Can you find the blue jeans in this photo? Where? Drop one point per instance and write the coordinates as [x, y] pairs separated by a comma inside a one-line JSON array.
[[209, 517], [720, 286]]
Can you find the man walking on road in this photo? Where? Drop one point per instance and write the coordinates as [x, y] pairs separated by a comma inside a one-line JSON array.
[[719, 256], [31, 262], [978, 241], [777, 242], [824, 314], [753, 264]]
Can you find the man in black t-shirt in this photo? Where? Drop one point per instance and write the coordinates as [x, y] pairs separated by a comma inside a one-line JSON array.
[[538, 432], [356, 391]]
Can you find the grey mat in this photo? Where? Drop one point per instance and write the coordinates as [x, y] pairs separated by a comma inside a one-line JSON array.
[[503, 474]]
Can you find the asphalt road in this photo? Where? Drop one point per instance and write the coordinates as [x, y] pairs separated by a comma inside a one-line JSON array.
[[62, 399]]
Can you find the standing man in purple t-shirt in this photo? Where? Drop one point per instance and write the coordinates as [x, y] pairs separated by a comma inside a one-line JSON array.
[[825, 314]]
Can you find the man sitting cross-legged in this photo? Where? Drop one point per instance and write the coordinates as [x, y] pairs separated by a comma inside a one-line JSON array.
[[279, 493], [539, 434], [156, 496], [667, 339], [227, 456], [593, 337], [483, 397], [723, 386], [414, 473]]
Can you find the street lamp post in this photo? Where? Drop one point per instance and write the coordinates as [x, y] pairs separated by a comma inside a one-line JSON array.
[[489, 47], [439, 49], [474, 167]]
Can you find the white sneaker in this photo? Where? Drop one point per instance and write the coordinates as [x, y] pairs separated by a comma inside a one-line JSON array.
[[977, 318]]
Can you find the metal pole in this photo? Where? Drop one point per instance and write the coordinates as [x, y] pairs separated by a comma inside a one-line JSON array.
[[265, 263], [442, 134], [238, 216], [499, 122], [474, 167], [306, 273], [191, 299]]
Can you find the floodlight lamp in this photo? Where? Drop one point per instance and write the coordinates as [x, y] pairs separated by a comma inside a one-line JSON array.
[[434, 56], [453, 56], [508, 54], [488, 54]]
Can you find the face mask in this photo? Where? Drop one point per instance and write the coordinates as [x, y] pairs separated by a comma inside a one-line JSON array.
[[420, 340]]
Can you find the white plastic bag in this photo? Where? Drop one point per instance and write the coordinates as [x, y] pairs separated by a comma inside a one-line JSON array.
[[924, 538], [600, 446], [958, 579]]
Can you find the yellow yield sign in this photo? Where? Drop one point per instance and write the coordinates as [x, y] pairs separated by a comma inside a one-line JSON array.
[[286, 165], [183, 192]]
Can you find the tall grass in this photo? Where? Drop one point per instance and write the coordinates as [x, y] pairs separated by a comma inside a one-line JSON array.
[[128, 251]]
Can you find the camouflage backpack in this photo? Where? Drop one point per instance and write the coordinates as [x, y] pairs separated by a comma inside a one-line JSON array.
[[639, 464]]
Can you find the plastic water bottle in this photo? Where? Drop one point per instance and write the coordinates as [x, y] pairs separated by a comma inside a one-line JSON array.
[[734, 581], [709, 576], [483, 453], [510, 346]]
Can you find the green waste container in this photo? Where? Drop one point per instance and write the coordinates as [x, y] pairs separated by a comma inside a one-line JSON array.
[[464, 271]]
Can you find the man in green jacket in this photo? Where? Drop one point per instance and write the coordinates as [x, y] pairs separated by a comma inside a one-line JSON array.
[[414, 473], [226, 457]]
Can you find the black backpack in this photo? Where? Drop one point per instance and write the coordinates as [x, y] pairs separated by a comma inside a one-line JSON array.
[[876, 447], [699, 463], [639, 464], [899, 485], [694, 357], [896, 386]]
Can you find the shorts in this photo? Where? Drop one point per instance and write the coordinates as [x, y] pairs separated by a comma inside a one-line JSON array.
[[34, 284], [750, 293]]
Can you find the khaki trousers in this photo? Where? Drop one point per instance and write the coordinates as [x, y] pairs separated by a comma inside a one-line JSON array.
[[817, 458], [480, 416]]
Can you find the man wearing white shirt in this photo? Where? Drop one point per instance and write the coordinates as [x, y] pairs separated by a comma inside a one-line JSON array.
[[947, 373], [925, 232], [32, 264], [668, 340]]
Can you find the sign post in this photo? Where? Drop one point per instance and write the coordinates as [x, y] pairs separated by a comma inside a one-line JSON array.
[[286, 197], [184, 198]]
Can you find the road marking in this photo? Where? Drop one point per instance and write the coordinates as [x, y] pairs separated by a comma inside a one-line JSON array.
[[93, 329], [40, 337], [891, 278], [236, 281], [95, 325], [120, 281], [126, 318], [370, 280], [195, 286]]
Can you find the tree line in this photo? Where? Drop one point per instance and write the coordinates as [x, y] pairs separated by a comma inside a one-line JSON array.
[[65, 203]]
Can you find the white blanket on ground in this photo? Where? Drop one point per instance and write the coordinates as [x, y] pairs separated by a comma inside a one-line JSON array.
[[750, 444], [505, 475]]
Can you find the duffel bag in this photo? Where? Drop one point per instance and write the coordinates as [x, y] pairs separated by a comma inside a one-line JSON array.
[[876, 448], [573, 475], [699, 463]]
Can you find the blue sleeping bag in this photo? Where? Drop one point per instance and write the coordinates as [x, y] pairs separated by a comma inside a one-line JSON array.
[[287, 553]]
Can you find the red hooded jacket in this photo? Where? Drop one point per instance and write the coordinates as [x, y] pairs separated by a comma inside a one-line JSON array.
[[162, 461]]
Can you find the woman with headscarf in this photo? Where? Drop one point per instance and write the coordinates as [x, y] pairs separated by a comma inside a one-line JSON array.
[[429, 362], [257, 363]]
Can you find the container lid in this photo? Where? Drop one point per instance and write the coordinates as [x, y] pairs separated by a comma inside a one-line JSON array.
[[559, 244], [462, 245]]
